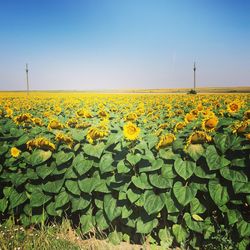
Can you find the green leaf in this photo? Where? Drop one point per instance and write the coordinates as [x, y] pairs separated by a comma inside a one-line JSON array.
[[160, 182], [196, 207], [43, 171], [61, 199], [87, 185], [195, 151], [38, 198], [243, 228], [51, 209], [133, 195], [81, 165], [233, 216], [215, 161], [233, 175], [115, 237], [53, 186], [218, 193], [16, 198], [3, 204], [146, 225], [101, 221], [87, 223], [141, 181], [122, 168], [155, 165], [184, 194], [194, 225], [110, 207], [80, 203], [179, 232], [72, 187], [170, 204], [78, 135], [94, 150], [105, 163], [22, 140], [133, 159], [63, 157], [240, 187], [201, 173], [152, 203], [185, 169], [39, 156]]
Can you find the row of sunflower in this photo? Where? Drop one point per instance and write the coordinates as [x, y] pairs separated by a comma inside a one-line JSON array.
[[146, 165]]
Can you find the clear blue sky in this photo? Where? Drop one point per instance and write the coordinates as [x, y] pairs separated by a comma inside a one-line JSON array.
[[109, 44]]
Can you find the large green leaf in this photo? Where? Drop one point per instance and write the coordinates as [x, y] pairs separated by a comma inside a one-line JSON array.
[[218, 193], [110, 207], [39, 156], [241, 187], [94, 150], [214, 160], [87, 185], [196, 207], [159, 181], [43, 171], [233, 175], [192, 224], [133, 159], [53, 186], [38, 198], [170, 203], [87, 223], [105, 163], [16, 198], [102, 222], [146, 225], [61, 199], [141, 181], [82, 165], [62, 157], [243, 228], [152, 203], [80, 203], [180, 233], [184, 194], [155, 165], [185, 169], [72, 187], [195, 151]]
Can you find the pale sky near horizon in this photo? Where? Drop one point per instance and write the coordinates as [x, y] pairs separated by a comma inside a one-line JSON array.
[[109, 44]]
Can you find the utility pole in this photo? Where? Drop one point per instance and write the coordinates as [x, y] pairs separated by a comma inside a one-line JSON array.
[[27, 78], [194, 76]]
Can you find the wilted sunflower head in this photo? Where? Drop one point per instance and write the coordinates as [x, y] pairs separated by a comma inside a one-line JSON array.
[[189, 117], [178, 126], [55, 124], [60, 137], [37, 121], [247, 115], [15, 152], [23, 118], [72, 122], [165, 140], [97, 132], [240, 127], [42, 143], [247, 136], [198, 137], [209, 123], [103, 114], [131, 117], [131, 131]]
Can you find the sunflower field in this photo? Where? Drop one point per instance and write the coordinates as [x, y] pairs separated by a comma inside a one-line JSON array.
[[171, 169]]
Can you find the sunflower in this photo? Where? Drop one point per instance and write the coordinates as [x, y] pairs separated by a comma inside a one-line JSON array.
[[179, 126], [247, 136], [72, 123], [84, 113], [23, 119], [240, 127], [15, 152], [9, 112], [233, 107], [103, 114], [209, 123], [83, 125], [165, 140], [131, 117], [37, 121], [54, 124], [42, 143], [198, 137], [131, 131], [190, 117], [247, 115], [97, 132], [60, 137]]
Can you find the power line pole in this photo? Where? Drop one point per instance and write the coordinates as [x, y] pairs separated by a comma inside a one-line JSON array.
[[27, 78], [194, 76]]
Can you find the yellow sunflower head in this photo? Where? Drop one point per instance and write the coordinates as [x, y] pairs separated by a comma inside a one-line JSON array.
[[131, 131], [165, 140], [42, 143], [15, 152], [190, 117], [131, 117], [209, 123], [240, 127], [247, 136], [247, 115], [97, 132], [234, 107], [60, 137], [179, 126]]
